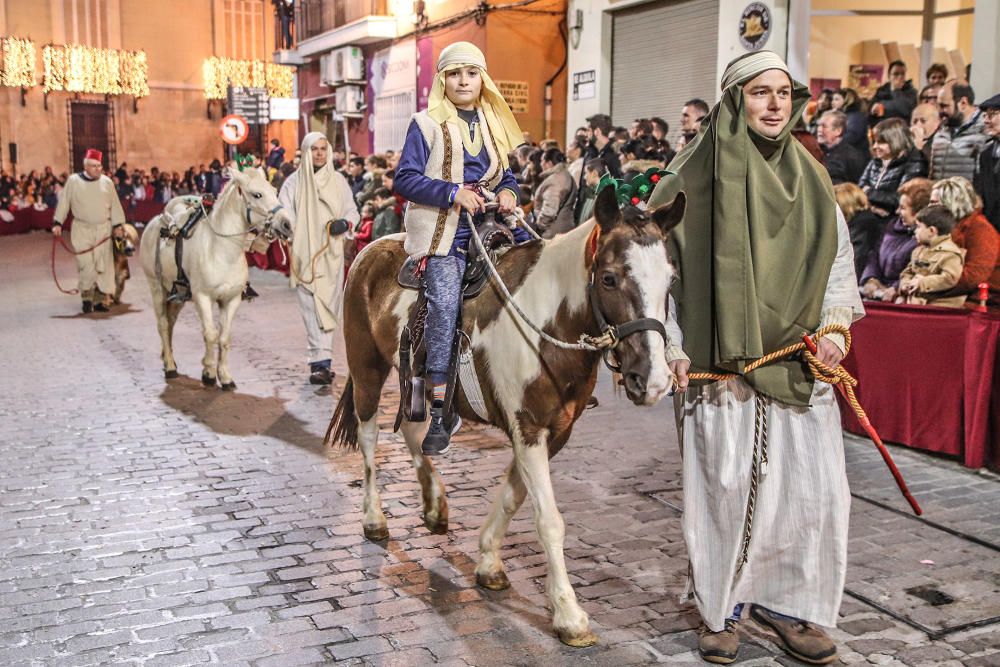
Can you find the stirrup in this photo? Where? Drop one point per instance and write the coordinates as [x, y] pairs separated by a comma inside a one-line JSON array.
[[179, 292], [249, 293]]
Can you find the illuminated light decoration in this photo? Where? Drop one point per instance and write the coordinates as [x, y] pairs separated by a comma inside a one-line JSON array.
[[220, 73], [76, 68], [18, 62]]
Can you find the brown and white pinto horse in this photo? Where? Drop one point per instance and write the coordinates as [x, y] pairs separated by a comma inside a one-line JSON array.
[[534, 390]]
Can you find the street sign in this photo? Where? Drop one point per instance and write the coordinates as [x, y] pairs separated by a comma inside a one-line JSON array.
[[234, 129], [251, 103]]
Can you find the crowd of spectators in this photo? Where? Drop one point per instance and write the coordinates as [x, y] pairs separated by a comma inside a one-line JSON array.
[[903, 156]]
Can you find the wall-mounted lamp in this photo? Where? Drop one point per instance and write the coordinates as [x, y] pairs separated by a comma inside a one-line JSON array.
[[576, 29]]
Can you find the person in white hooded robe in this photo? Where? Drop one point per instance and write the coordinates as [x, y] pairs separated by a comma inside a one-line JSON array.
[[323, 217]]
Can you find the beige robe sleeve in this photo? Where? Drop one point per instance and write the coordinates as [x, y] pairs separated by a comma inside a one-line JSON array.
[[842, 302], [117, 213], [62, 208]]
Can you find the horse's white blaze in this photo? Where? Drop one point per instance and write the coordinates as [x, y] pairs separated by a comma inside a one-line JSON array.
[[559, 277], [652, 272]]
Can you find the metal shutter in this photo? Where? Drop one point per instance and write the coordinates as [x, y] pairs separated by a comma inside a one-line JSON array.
[[663, 54]]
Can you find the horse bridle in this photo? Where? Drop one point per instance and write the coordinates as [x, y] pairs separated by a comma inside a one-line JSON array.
[[613, 334], [266, 223]]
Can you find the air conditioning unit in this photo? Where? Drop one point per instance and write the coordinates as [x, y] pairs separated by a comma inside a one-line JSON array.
[[350, 99], [328, 70], [349, 64]]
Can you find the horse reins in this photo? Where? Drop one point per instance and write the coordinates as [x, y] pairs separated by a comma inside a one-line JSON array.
[[611, 334], [61, 240]]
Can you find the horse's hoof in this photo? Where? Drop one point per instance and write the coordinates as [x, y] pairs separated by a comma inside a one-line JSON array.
[[208, 381], [171, 375], [439, 527], [376, 533], [584, 640], [229, 386], [496, 581]]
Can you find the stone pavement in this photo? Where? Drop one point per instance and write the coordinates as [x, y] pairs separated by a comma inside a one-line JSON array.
[[160, 523]]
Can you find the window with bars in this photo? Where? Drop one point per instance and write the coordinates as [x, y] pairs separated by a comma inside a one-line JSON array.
[[392, 118], [314, 17]]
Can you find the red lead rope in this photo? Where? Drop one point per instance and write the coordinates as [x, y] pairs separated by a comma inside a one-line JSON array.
[[61, 240]]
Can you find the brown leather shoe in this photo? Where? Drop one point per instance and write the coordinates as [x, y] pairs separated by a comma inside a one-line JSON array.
[[801, 640], [719, 647]]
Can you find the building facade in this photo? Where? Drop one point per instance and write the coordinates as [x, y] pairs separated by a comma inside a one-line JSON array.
[[394, 44], [172, 127]]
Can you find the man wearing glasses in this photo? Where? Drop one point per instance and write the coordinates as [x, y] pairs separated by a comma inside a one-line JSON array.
[[987, 182], [897, 97]]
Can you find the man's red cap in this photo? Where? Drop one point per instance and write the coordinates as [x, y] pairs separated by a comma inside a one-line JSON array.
[[93, 154]]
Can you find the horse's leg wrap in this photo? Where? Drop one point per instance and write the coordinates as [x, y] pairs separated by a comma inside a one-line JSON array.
[[569, 620]]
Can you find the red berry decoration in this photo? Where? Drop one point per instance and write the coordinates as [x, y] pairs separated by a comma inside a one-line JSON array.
[[635, 200], [655, 178]]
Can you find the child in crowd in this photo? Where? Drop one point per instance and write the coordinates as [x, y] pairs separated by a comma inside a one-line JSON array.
[[386, 220], [936, 263], [363, 234]]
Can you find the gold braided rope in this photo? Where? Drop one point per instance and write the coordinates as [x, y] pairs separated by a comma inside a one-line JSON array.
[[821, 372]]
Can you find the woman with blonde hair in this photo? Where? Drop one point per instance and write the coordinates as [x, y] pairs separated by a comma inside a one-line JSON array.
[[974, 233]]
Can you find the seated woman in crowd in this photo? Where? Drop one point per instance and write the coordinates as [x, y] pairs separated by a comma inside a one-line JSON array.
[[894, 161], [854, 204], [879, 279], [936, 263], [974, 233]]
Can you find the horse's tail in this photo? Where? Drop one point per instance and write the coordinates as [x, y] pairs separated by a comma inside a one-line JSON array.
[[343, 428]]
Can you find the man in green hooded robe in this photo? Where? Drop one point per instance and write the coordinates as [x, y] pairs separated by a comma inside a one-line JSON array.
[[763, 255]]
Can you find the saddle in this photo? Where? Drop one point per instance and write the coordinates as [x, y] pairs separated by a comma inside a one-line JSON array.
[[180, 291], [496, 240]]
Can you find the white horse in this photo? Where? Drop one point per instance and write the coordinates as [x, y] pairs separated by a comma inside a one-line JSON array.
[[215, 264]]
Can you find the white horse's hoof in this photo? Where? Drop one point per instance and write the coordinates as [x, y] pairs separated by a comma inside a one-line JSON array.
[[207, 380], [577, 639], [229, 386], [171, 375]]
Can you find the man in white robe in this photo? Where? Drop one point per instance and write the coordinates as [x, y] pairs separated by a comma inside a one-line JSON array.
[[323, 216], [97, 214], [763, 255]]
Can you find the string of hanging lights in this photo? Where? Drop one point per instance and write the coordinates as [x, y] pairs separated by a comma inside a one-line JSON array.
[[77, 68], [220, 73], [18, 62]]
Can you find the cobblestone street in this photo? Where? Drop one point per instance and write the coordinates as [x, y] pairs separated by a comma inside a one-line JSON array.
[[153, 522]]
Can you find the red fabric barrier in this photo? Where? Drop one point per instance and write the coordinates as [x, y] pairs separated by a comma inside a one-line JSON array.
[[20, 224], [142, 211], [275, 259], [42, 219], [929, 379]]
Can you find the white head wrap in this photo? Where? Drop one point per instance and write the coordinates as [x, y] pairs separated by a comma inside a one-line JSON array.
[[746, 68]]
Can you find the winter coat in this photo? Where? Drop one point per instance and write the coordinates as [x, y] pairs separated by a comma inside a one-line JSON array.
[[891, 256], [987, 181], [554, 199], [982, 253], [386, 221], [880, 180], [955, 151], [896, 103], [844, 163], [936, 268]]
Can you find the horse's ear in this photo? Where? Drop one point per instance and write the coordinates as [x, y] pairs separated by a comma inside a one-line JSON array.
[[236, 175], [606, 209], [670, 215]]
